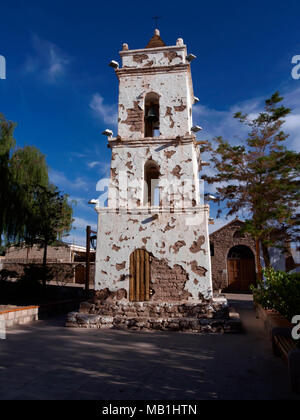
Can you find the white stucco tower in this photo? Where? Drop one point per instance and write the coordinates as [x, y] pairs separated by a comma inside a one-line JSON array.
[[152, 242]]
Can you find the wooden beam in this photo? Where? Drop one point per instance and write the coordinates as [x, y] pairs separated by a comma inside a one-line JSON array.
[[131, 278], [142, 275], [87, 261], [147, 276], [137, 276]]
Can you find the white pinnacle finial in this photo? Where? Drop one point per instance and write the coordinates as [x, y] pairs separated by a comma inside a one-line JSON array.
[[156, 32]]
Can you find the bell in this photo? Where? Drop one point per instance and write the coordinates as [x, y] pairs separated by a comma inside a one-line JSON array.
[[152, 115]]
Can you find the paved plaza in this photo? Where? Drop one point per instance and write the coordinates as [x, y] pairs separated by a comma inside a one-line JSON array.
[[45, 360]]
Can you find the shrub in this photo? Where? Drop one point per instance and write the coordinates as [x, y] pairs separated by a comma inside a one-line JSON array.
[[279, 291], [31, 279], [8, 274]]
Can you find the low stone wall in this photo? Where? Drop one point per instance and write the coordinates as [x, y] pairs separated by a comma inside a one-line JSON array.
[[14, 315], [19, 316], [203, 317], [46, 310], [54, 253], [62, 273], [271, 319]]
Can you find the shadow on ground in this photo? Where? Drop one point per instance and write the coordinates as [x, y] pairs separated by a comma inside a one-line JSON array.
[[48, 361]]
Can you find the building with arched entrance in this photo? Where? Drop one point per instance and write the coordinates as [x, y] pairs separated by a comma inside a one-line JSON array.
[[233, 259]]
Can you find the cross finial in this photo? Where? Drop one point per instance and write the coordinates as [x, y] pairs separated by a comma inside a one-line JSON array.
[[155, 18]]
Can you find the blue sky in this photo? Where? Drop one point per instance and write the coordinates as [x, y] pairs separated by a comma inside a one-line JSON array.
[[61, 92]]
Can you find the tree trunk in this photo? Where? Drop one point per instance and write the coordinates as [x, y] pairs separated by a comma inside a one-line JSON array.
[[266, 255], [45, 264], [259, 271]]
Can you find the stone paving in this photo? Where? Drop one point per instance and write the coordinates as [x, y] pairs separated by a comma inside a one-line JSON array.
[[45, 360]]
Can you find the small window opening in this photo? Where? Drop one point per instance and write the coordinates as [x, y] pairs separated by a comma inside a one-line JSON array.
[[151, 177], [151, 122]]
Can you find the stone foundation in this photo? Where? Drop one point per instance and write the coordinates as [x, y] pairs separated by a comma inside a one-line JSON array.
[[203, 317]]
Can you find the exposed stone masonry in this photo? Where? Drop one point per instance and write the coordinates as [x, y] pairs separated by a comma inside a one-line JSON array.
[[206, 317]]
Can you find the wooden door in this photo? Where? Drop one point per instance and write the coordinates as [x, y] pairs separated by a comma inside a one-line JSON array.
[[139, 283], [247, 274], [234, 273], [80, 274], [241, 274]]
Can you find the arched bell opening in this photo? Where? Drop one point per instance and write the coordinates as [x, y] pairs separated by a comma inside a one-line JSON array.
[[151, 183], [151, 120]]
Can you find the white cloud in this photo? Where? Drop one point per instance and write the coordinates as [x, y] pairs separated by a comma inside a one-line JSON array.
[[92, 164], [292, 126], [292, 122], [49, 62], [80, 203], [108, 113], [218, 223], [221, 123], [103, 168], [81, 224], [76, 239], [59, 179]]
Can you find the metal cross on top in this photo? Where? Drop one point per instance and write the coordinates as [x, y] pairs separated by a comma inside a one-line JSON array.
[[155, 18]]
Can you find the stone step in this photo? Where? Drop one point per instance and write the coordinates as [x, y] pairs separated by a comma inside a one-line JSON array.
[[199, 325], [211, 309]]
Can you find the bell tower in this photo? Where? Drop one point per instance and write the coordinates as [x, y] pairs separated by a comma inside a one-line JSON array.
[[152, 242], [156, 91]]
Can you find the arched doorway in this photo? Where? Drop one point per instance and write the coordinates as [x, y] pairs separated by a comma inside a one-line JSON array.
[[139, 279], [241, 268]]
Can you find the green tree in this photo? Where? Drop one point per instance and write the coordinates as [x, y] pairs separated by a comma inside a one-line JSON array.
[[51, 219], [22, 171], [7, 143], [28, 173], [260, 177], [32, 211]]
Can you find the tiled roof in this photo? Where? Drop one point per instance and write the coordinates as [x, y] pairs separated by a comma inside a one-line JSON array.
[[156, 41]]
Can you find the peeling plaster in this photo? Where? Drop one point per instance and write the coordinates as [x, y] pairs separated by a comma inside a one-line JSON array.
[[176, 247], [158, 243], [121, 266], [176, 171], [169, 153], [116, 248], [173, 87], [196, 246], [176, 236]]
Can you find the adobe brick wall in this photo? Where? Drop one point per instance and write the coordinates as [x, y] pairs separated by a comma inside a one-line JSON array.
[[167, 283], [223, 241], [54, 254]]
